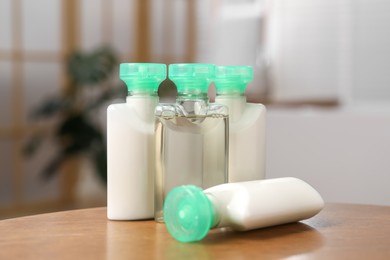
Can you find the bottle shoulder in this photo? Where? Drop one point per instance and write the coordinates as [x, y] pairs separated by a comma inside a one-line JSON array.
[[256, 106], [167, 109], [254, 110], [223, 197], [216, 108], [193, 108], [128, 112], [117, 107]]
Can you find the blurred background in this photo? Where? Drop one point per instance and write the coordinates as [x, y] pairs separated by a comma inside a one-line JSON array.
[[322, 67]]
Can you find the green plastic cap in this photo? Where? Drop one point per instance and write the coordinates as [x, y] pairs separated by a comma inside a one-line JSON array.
[[232, 79], [188, 213], [192, 77], [142, 77]]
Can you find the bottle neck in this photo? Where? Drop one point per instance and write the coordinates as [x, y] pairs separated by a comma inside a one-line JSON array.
[[220, 197], [144, 104], [230, 94], [216, 215], [191, 96], [141, 94], [193, 104]]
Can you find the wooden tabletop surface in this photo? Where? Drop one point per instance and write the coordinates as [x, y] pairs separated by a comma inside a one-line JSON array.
[[340, 231]]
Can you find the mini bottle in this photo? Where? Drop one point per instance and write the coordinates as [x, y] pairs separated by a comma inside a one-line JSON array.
[[190, 212], [246, 124], [191, 135], [130, 144]]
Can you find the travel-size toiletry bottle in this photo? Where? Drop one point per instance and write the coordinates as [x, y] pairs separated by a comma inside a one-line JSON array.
[[189, 211], [246, 123], [131, 144], [191, 135]]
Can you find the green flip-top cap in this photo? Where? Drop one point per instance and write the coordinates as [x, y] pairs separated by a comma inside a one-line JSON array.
[[188, 213], [191, 77], [232, 79], [144, 77]]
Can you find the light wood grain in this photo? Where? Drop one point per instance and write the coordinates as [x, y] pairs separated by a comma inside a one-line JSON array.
[[340, 231]]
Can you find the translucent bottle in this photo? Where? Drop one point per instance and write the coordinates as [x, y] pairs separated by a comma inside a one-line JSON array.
[[130, 144], [246, 124], [191, 135], [190, 212]]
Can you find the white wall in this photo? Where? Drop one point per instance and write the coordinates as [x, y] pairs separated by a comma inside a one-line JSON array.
[[329, 49], [344, 153], [340, 50]]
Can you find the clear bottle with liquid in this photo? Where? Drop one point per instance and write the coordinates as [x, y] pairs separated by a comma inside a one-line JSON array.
[[246, 123], [191, 135], [130, 144]]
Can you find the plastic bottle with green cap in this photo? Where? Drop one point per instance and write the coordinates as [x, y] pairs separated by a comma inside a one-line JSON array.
[[191, 212], [130, 143], [191, 135], [246, 123]]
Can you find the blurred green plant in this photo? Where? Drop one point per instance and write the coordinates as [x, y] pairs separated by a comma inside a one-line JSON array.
[[76, 131]]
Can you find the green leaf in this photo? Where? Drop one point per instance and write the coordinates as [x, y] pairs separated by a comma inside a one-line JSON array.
[[78, 133], [119, 91], [32, 145], [53, 166], [100, 161], [92, 68], [51, 106]]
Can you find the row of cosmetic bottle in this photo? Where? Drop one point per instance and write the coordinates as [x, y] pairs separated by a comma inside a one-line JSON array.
[[153, 148]]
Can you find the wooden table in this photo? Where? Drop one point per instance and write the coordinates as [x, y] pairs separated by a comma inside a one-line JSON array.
[[340, 231]]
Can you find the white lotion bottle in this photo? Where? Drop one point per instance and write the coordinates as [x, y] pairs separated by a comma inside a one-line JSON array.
[[190, 212], [130, 144], [246, 123]]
